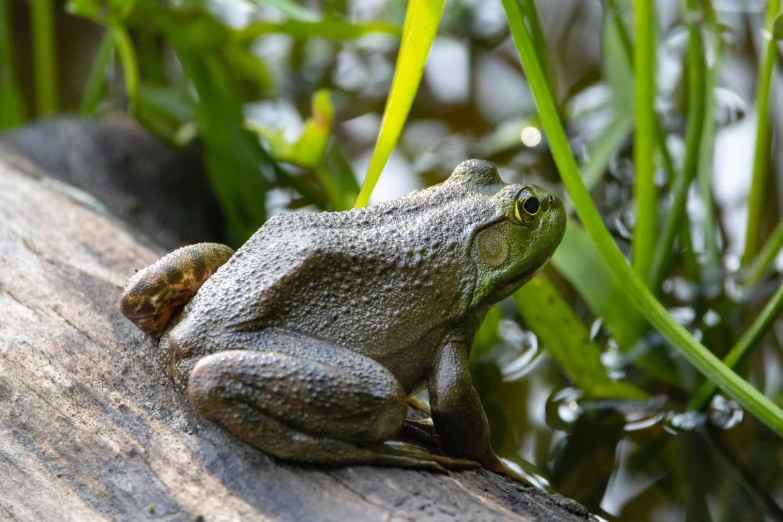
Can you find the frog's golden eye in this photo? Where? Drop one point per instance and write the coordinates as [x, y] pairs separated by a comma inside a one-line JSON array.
[[527, 206]]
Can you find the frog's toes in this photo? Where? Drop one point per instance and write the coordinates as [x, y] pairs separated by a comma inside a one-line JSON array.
[[152, 294], [411, 451]]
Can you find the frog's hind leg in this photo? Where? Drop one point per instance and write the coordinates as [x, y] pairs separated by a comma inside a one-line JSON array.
[[339, 410], [152, 294]]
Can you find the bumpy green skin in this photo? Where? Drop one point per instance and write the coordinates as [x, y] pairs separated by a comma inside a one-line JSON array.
[[309, 340]]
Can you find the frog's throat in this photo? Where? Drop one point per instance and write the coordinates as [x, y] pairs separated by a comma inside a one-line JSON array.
[[514, 284]]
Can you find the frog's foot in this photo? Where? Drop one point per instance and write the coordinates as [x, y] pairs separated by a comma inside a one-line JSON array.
[[287, 443], [152, 294], [404, 449], [422, 431]]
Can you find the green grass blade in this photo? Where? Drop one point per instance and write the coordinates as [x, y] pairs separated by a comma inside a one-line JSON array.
[[749, 339], [645, 231], [530, 13], [340, 168], [418, 33], [758, 268], [622, 34], [93, 90], [675, 217], [229, 147], [713, 263], [568, 341], [581, 264], [333, 29], [759, 185], [605, 148], [627, 47], [45, 56], [152, 61], [130, 65], [12, 104], [698, 355], [578, 260]]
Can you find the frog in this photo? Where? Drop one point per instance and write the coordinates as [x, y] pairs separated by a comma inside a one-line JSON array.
[[311, 340]]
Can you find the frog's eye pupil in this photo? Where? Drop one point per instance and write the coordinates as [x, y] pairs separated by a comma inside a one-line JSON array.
[[531, 205]]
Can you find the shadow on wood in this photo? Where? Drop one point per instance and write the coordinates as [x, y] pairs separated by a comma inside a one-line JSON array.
[[90, 429]]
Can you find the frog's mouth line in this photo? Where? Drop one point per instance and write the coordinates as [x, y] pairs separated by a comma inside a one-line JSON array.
[[530, 273]]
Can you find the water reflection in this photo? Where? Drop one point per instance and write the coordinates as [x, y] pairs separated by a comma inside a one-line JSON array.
[[523, 345], [725, 414]]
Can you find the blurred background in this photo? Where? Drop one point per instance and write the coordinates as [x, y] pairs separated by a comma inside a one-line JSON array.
[[282, 102]]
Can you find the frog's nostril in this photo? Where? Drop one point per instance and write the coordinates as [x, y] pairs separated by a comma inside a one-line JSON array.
[[551, 198]]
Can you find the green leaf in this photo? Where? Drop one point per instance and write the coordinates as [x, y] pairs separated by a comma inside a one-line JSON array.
[[696, 353], [418, 33], [174, 102], [777, 28], [761, 153], [237, 166], [330, 28], [646, 195], [761, 264], [568, 341], [579, 261], [12, 104], [487, 335], [676, 219], [530, 13], [247, 72], [45, 57], [96, 81], [309, 149], [617, 71], [713, 268], [605, 148], [130, 65], [737, 354], [111, 11], [232, 164], [341, 171]]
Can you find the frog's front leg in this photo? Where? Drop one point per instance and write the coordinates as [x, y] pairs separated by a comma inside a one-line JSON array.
[[457, 413], [307, 400]]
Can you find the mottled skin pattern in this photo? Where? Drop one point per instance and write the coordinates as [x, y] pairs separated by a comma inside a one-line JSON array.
[[309, 340], [152, 295]]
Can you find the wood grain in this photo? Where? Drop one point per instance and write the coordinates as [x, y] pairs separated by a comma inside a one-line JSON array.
[[90, 429]]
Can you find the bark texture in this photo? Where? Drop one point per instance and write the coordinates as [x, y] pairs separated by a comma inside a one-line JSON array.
[[90, 429]]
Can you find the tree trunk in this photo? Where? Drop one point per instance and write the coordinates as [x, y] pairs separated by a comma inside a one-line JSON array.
[[90, 429]]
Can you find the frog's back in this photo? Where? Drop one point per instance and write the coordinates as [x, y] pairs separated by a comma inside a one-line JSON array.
[[376, 281]]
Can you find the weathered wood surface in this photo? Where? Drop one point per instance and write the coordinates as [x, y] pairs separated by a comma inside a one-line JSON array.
[[90, 429]]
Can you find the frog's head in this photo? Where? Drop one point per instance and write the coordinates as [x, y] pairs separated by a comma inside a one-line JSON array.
[[527, 224]]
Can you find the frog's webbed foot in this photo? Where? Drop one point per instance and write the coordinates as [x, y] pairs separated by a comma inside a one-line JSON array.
[[152, 294], [422, 430], [421, 455]]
